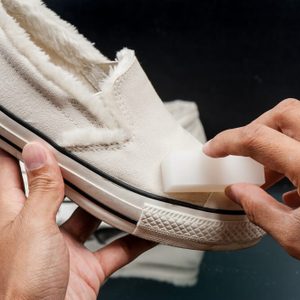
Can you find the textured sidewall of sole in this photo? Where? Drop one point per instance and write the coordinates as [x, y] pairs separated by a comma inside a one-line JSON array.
[[186, 230]]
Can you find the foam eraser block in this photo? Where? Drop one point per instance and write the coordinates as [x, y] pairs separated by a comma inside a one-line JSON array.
[[193, 171]]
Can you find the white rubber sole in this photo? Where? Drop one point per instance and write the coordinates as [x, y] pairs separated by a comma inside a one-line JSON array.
[[132, 211]]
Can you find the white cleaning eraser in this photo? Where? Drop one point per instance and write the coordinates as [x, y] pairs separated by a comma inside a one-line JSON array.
[[193, 171]]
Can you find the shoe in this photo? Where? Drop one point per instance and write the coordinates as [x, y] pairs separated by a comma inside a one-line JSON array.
[[109, 129]]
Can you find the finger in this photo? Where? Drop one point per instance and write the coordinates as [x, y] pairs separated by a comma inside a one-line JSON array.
[[271, 148], [261, 209], [121, 252], [12, 196], [46, 186], [283, 117], [81, 225], [292, 199]]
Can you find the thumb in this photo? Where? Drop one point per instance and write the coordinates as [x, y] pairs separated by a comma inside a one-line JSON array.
[[46, 185], [261, 208]]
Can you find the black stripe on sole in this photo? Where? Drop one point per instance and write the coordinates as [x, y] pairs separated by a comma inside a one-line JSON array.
[[115, 180]]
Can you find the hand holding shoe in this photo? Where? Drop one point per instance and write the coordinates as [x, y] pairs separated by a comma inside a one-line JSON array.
[[38, 259]]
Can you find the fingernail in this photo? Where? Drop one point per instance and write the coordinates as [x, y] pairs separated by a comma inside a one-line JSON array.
[[34, 156], [230, 194]]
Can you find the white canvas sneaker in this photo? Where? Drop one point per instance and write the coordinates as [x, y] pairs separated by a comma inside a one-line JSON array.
[[109, 129]]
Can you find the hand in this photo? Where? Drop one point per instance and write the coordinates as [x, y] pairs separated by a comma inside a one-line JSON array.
[[38, 259], [273, 140]]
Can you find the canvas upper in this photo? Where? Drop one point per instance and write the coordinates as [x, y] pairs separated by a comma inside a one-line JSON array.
[[105, 112]]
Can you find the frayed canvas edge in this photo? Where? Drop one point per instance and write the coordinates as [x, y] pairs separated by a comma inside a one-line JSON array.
[[125, 59], [103, 136], [92, 136]]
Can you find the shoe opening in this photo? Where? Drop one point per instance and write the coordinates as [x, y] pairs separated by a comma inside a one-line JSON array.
[[64, 57], [59, 40]]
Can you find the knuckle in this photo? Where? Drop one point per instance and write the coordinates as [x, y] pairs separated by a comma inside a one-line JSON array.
[[285, 114], [285, 106], [46, 183], [249, 135], [288, 103]]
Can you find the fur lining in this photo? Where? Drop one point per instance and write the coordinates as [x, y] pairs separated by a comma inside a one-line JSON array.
[[92, 136], [51, 31], [33, 30], [125, 59], [95, 136]]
